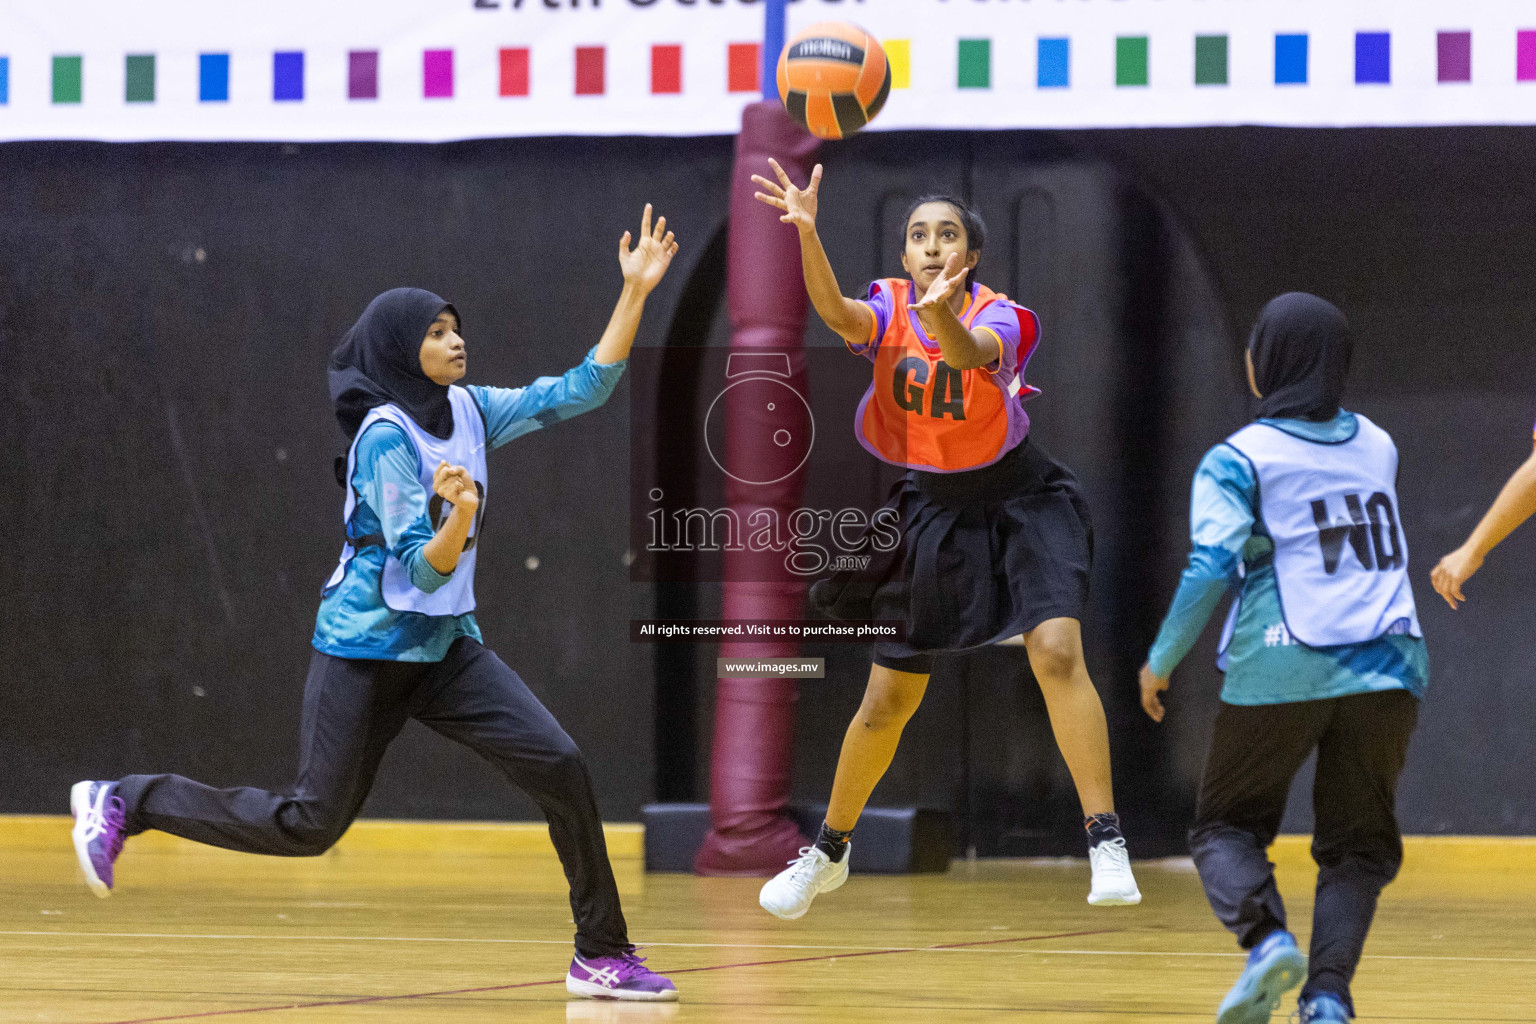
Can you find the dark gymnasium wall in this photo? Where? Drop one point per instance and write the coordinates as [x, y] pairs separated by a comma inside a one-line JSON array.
[[166, 312]]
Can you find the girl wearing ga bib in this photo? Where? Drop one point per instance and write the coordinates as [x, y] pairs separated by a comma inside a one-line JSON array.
[[997, 543], [1298, 511], [396, 637]]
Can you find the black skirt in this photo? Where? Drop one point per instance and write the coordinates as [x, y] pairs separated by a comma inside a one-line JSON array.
[[986, 555]]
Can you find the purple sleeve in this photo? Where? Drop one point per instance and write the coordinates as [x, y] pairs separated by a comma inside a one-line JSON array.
[[1002, 320], [880, 303]]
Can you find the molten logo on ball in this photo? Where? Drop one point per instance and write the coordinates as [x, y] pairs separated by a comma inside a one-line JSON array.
[[833, 79]]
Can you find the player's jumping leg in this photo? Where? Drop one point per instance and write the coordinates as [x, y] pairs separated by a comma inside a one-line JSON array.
[[352, 710], [1077, 719], [868, 747], [476, 700]]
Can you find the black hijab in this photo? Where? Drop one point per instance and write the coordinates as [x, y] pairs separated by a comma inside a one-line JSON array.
[[1301, 348], [379, 361]]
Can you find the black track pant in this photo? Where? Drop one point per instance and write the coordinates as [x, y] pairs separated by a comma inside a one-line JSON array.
[[1361, 741], [352, 710]]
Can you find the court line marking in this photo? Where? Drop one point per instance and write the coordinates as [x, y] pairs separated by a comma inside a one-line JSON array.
[[361, 1000], [945, 948]]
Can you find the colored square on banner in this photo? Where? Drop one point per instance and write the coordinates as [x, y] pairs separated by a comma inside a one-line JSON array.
[[898, 53], [1055, 63], [1210, 60], [1291, 58], [5, 80], [1525, 56], [743, 66], [1373, 58], [1454, 56], [288, 75], [437, 74], [213, 77], [66, 79], [590, 70], [1131, 59], [514, 71], [140, 78], [666, 69], [974, 69], [363, 75]]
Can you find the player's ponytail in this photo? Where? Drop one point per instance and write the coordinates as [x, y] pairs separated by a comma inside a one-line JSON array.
[[970, 219]]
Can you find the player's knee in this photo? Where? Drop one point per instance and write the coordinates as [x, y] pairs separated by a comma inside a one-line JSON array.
[[888, 709], [1212, 839], [566, 766], [1378, 861], [1056, 660], [312, 838]]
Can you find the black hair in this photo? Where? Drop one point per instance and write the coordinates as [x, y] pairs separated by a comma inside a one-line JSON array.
[[970, 219]]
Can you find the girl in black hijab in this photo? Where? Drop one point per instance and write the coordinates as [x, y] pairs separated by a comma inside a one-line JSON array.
[[378, 361], [1322, 652], [1298, 358], [396, 636]]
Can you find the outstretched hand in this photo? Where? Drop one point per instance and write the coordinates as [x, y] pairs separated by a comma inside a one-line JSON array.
[[1454, 570], [646, 264], [1151, 687], [944, 286], [798, 204]]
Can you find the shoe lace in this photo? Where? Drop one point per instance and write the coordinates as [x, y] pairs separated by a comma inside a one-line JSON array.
[[1115, 851], [632, 963], [806, 864], [116, 815]]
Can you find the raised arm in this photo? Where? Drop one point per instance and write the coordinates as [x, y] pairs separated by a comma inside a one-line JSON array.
[[643, 268], [513, 412], [852, 320], [1515, 504]]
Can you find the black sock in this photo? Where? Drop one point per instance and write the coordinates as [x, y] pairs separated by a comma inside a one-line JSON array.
[[833, 843], [1101, 828]]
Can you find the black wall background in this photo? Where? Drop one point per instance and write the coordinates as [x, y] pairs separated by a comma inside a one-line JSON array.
[[166, 312]]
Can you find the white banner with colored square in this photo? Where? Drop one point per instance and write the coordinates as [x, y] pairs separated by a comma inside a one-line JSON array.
[[438, 70]]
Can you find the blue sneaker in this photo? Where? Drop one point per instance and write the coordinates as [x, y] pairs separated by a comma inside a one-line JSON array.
[[98, 833], [1324, 1008], [1275, 966]]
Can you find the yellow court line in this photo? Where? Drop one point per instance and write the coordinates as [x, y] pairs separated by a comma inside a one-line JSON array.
[[1444, 853], [627, 841], [373, 835]]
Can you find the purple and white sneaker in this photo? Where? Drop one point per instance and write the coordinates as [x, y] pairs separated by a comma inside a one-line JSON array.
[[617, 977], [100, 821]]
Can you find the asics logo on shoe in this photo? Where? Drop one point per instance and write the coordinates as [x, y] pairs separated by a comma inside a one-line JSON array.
[[607, 977]]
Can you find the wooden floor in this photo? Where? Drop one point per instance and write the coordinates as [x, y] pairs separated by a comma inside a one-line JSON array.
[[398, 936]]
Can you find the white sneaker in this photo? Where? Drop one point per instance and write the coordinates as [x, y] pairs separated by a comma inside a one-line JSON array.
[[788, 894], [1113, 883]]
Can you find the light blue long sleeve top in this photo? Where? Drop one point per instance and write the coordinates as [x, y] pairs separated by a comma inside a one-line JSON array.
[[354, 621], [1264, 663]]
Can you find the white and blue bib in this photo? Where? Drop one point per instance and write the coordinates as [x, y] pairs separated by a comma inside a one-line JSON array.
[[466, 447], [1341, 557]]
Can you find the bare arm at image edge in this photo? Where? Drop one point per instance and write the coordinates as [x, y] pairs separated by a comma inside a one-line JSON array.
[[1515, 504]]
